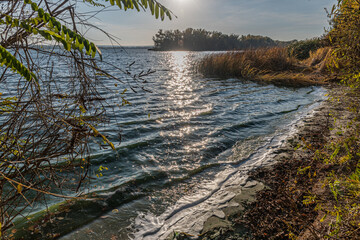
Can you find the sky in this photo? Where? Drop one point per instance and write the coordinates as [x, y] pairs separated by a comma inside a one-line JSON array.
[[278, 19]]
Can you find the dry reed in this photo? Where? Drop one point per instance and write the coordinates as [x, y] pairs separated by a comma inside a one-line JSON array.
[[320, 59], [271, 65], [247, 63]]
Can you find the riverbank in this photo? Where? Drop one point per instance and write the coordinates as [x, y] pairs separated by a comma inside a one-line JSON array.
[[294, 197]]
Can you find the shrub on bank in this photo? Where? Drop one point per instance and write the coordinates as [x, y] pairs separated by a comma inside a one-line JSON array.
[[301, 49]]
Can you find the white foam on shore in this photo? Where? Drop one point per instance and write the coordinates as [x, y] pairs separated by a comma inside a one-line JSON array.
[[191, 212]]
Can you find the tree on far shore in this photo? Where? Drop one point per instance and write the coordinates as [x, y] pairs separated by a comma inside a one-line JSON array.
[[202, 40]]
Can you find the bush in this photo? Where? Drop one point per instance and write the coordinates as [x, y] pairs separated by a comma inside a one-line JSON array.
[[345, 40], [301, 49]]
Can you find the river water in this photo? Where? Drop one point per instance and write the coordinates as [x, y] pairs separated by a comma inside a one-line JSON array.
[[184, 144]]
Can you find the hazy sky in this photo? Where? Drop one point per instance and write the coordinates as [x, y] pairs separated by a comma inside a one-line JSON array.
[[278, 19]]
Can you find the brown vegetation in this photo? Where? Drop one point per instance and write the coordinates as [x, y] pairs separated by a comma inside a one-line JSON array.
[[270, 65], [247, 63], [320, 59]]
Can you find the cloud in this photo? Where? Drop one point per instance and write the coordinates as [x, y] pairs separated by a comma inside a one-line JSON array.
[[279, 19]]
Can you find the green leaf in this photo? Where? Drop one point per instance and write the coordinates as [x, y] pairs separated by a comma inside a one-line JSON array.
[[16, 22], [157, 11], [87, 45], [34, 6], [152, 7], [46, 17], [125, 4], [162, 14], [41, 12], [8, 19], [118, 3], [12, 62], [136, 5], [81, 46], [168, 14]]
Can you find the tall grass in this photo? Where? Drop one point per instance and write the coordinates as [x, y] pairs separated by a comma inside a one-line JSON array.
[[247, 63], [320, 59], [271, 65]]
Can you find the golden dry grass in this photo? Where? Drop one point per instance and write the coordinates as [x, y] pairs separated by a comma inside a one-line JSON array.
[[320, 59], [272, 65], [247, 63], [292, 79]]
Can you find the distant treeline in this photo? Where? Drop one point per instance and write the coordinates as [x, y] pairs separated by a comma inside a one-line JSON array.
[[202, 40]]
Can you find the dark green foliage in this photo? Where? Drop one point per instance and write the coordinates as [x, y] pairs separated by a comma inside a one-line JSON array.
[[202, 40], [301, 49], [14, 64]]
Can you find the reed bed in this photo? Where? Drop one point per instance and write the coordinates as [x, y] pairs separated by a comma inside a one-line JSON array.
[[270, 65], [247, 63]]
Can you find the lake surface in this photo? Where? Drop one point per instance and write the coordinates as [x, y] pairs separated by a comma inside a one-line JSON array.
[[183, 144]]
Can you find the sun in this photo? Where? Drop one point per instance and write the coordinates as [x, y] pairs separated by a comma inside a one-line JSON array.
[[182, 3]]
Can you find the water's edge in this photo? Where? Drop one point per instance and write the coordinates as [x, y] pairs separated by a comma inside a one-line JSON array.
[[183, 152], [232, 188]]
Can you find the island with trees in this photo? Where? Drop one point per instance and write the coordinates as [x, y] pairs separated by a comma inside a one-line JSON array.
[[203, 40]]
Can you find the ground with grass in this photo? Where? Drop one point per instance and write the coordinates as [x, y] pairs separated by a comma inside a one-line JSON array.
[[310, 195], [314, 193]]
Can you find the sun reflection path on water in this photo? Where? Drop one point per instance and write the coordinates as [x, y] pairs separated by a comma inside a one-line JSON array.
[[185, 104], [181, 85]]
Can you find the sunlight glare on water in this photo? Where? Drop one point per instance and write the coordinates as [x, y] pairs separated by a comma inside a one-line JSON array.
[[179, 139], [181, 91], [181, 85]]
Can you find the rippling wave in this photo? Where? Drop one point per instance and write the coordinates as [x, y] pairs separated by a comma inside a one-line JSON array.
[[183, 144]]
